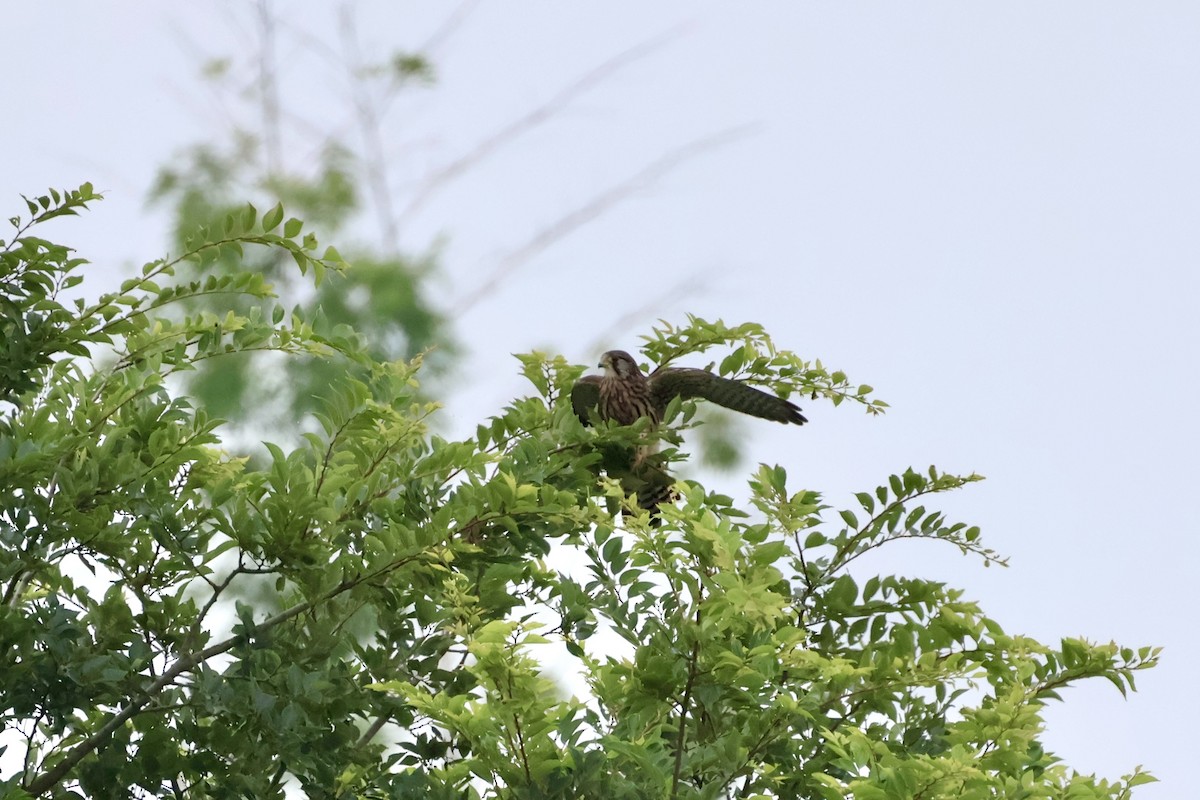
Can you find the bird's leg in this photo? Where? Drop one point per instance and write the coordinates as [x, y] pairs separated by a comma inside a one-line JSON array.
[[643, 452]]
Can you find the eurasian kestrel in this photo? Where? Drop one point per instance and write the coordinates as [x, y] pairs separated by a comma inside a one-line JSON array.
[[624, 394]]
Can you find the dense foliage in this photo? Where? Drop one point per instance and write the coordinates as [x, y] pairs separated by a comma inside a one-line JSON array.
[[370, 614]]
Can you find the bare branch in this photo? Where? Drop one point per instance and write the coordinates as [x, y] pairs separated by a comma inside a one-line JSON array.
[[595, 207], [449, 27], [367, 113], [269, 88], [433, 183], [689, 286]]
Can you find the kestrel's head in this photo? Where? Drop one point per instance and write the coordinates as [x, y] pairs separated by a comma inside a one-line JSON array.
[[619, 364]]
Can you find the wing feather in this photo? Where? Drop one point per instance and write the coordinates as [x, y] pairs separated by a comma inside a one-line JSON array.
[[672, 382], [585, 397]]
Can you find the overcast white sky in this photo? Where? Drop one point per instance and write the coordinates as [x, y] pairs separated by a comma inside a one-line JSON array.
[[987, 212]]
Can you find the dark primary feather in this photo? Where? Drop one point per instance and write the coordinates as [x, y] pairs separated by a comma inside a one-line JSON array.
[[585, 397], [666, 384]]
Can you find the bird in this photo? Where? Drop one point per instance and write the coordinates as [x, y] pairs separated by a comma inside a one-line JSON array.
[[624, 394]]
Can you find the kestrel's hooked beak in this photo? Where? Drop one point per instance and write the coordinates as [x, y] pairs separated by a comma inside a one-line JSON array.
[[606, 364]]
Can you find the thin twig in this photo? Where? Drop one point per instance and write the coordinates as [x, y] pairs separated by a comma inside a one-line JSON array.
[[268, 88], [277, 778], [689, 286], [597, 206], [367, 114], [683, 715], [449, 27], [434, 182]]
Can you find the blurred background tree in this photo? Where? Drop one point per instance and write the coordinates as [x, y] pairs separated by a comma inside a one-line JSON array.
[[334, 182], [336, 170]]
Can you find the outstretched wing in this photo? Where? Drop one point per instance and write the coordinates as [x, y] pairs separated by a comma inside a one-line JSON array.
[[585, 397], [671, 382]]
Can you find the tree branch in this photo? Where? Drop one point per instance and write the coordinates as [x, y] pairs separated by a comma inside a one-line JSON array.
[[432, 184], [449, 27], [687, 287], [597, 206], [685, 703], [367, 113], [268, 87], [52, 776], [374, 729]]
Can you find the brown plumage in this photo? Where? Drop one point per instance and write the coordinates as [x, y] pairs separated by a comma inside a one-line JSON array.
[[624, 394]]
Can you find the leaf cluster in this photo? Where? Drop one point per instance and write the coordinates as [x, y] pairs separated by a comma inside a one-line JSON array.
[[753, 358], [372, 612]]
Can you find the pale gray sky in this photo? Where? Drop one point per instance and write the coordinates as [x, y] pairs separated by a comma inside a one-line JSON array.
[[987, 212]]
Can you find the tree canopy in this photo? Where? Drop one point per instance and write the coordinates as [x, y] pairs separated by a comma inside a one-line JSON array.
[[371, 613]]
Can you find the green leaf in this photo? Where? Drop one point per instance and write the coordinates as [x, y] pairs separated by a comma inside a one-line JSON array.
[[733, 362], [272, 218]]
